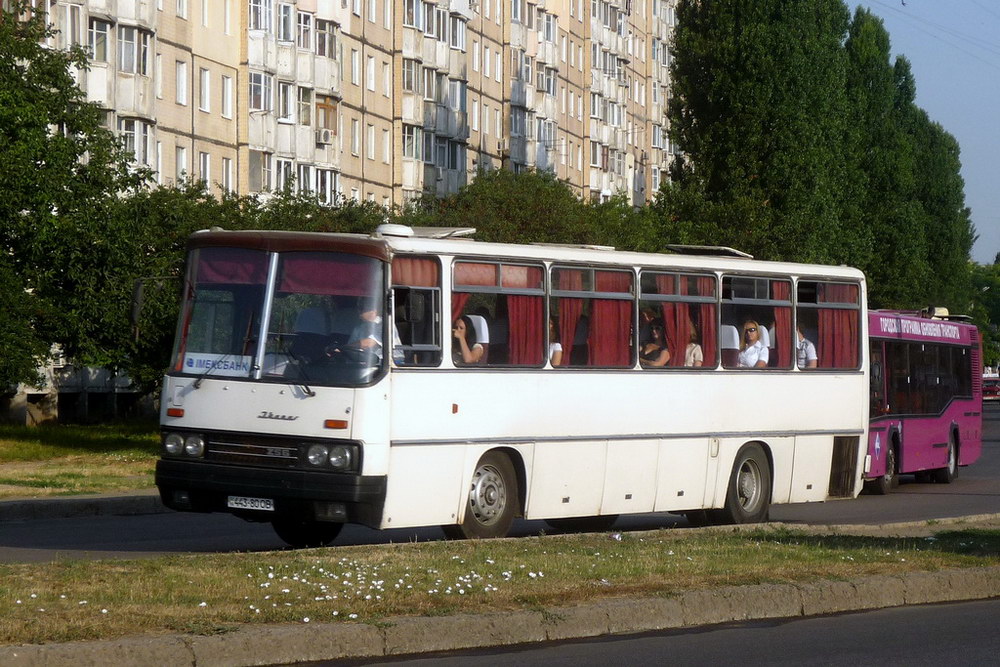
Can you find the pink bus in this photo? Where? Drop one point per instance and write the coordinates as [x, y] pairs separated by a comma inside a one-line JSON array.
[[926, 398]]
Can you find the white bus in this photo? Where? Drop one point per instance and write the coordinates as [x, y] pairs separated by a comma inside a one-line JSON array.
[[592, 383]]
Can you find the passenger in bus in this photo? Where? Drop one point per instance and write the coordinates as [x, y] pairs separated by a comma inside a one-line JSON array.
[[753, 351], [654, 353], [555, 347], [805, 351], [646, 317], [693, 355], [465, 350]]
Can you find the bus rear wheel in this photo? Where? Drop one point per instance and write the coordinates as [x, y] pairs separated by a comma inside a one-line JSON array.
[[748, 499], [306, 534], [947, 474], [492, 500]]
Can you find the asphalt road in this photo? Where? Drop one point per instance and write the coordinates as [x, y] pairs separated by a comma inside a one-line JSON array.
[[932, 635], [975, 491]]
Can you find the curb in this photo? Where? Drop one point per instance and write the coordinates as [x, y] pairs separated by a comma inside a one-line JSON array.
[[71, 507], [283, 644]]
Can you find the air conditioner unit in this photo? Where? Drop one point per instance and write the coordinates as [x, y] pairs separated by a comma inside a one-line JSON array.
[[324, 136], [503, 146]]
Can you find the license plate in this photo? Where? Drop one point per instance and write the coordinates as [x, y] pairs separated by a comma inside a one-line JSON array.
[[243, 503]]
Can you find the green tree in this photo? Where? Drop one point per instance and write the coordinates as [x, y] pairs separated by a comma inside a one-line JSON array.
[[510, 208], [758, 107], [59, 168]]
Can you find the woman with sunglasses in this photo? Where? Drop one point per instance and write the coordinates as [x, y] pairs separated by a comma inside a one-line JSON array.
[[753, 352], [654, 353]]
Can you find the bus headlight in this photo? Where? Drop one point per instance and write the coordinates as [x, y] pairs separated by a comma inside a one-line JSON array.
[[194, 445], [341, 457], [173, 443], [317, 454]]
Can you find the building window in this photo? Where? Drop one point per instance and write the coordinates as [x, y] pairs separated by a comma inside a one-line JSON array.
[[326, 38], [305, 105], [133, 50], [411, 75], [286, 16], [413, 142], [370, 140], [386, 80], [355, 136], [458, 33], [355, 67], [180, 163], [135, 135], [285, 101], [326, 113], [326, 186], [413, 14], [227, 174], [260, 15], [370, 73], [227, 96], [182, 8], [181, 82], [260, 171], [284, 174], [304, 34], [260, 92], [204, 90], [386, 147], [204, 168], [304, 182]]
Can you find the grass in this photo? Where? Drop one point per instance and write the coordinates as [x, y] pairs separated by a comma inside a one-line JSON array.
[[210, 594], [65, 460]]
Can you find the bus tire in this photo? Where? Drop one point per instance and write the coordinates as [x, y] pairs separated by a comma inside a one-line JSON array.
[[890, 480], [947, 474], [748, 498], [492, 500], [581, 524], [305, 534]]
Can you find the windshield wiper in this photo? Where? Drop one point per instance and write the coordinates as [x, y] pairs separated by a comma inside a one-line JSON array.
[[300, 364], [212, 367]]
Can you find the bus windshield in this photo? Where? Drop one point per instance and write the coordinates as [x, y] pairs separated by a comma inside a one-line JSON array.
[[319, 316]]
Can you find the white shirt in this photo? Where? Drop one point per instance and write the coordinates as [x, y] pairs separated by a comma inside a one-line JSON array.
[[805, 352], [553, 348], [692, 354], [754, 353]]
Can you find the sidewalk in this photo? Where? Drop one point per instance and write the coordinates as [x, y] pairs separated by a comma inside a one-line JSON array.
[[283, 644]]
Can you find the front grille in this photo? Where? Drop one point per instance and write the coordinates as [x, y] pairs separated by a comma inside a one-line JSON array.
[[246, 453]]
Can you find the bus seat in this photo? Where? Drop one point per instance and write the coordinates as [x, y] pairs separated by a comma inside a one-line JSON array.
[[482, 336], [729, 342], [766, 337], [312, 334]]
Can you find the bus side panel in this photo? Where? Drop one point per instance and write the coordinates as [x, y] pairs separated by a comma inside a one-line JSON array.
[[568, 479], [424, 486], [811, 470], [682, 474], [630, 481]]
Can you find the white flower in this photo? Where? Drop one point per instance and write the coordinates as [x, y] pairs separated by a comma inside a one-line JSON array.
[[305, 620], [203, 604]]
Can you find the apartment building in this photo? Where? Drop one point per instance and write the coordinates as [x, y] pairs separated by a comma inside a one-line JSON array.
[[381, 100]]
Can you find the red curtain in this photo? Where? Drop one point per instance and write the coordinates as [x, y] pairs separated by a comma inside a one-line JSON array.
[[458, 301], [570, 309], [782, 291], [415, 272], [837, 346], [527, 331], [709, 333], [611, 321], [231, 266], [675, 320]]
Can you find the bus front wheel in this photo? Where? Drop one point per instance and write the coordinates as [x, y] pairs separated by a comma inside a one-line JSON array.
[[492, 500], [948, 473], [748, 498], [305, 534]]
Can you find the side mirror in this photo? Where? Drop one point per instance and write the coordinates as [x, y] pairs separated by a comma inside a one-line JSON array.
[[414, 306]]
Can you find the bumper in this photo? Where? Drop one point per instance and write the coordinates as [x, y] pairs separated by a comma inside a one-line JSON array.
[[195, 486]]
